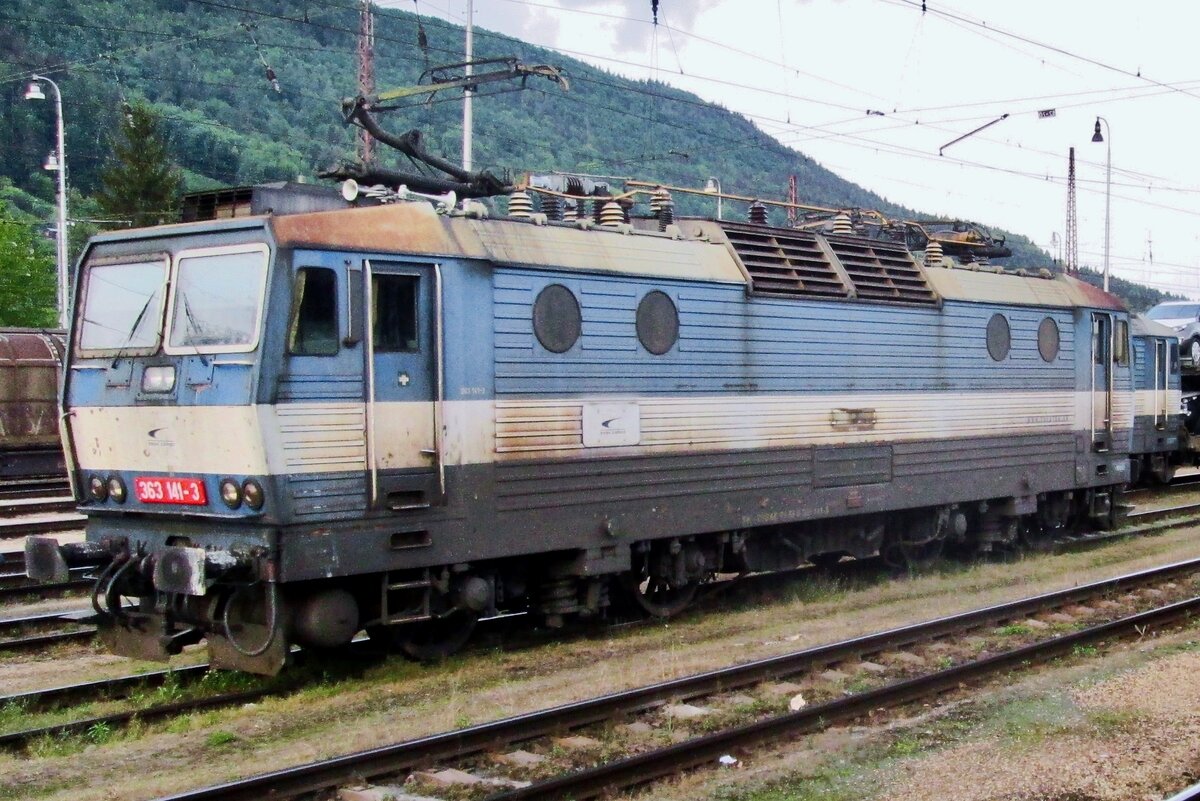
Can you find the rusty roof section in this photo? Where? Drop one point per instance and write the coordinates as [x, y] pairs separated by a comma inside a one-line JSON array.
[[698, 250], [987, 286], [417, 228], [397, 227]]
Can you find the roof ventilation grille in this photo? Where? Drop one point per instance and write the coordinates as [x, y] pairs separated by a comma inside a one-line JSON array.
[[781, 261], [882, 270]]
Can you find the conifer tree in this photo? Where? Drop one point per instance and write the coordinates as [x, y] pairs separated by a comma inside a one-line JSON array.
[[139, 183]]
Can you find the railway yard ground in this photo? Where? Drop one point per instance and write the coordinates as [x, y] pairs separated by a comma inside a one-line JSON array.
[[1116, 720]]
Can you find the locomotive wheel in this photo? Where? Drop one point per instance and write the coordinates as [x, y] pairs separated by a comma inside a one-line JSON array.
[[1163, 471], [657, 596], [1193, 351], [428, 640]]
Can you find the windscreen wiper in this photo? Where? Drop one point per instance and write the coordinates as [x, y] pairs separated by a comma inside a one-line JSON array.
[[137, 322]]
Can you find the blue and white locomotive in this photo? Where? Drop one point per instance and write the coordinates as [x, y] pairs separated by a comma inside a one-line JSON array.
[[289, 427], [1161, 440]]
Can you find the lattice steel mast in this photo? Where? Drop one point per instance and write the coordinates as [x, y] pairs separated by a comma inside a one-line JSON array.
[[366, 74], [1072, 248]]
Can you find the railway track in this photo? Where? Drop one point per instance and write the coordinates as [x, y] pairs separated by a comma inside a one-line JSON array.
[[14, 584], [180, 681], [608, 723], [48, 523], [34, 487], [35, 505]]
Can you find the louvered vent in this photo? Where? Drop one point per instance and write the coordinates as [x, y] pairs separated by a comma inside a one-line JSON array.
[[784, 262], [882, 270]]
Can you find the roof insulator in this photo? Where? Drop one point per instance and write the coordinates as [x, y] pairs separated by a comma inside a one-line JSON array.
[[611, 214], [758, 213], [933, 254], [520, 205]]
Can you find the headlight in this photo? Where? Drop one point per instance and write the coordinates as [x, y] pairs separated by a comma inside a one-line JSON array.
[[97, 488], [253, 492], [231, 493], [116, 489], [159, 379]]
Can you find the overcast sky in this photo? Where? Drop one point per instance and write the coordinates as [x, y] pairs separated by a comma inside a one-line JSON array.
[[808, 71]]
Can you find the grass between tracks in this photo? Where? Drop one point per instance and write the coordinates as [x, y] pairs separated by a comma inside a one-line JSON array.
[[1078, 728]]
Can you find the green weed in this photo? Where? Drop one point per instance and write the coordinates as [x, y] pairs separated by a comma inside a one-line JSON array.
[[219, 738]]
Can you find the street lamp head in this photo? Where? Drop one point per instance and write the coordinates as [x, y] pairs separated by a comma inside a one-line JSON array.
[[51, 162], [712, 185], [1096, 137], [34, 91]]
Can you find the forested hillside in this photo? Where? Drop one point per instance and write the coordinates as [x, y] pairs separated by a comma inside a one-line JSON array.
[[201, 65]]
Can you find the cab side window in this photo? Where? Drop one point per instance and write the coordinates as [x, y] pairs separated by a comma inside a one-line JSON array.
[[394, 302], [1121, 344], [314, 321]]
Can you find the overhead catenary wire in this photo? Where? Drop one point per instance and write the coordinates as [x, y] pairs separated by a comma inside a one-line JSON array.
[[870, 145], [1095, 62], [641, 90]]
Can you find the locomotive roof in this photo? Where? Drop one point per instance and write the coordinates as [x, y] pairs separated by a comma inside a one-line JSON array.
[[1143, 326], [692, 249]]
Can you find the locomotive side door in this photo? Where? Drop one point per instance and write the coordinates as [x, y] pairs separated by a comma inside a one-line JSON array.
[[1102, 380], [402, 316], [1161, 368]]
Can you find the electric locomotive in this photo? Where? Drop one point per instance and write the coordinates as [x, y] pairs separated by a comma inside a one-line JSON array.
[[288, 427], [1160, 438]]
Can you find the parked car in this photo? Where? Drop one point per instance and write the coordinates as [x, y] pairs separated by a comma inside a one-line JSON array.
[[1184, 317]]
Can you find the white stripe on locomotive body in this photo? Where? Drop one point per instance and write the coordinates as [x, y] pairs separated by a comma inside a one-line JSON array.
[[299, 438], [1147, 400]]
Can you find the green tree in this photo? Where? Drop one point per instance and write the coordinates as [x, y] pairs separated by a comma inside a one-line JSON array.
[[26, 273], [139, 183]]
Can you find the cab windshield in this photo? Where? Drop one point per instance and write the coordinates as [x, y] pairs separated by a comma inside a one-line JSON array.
[[123, 307], [218, 298]]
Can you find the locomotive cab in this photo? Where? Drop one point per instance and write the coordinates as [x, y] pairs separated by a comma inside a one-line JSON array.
[[200, 436], [166, 441]]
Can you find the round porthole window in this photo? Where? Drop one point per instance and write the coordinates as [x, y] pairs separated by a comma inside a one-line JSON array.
[[1048, 339], [657, 322], [557, 321], [999, 338]]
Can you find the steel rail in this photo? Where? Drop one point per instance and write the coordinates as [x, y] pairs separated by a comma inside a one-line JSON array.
[[33, 488], [50, 524], [34, 506], [37, 642], [1153, 515], [19, 739], [55, 697], [390, 759], [1189, 794], [26, 621], [16, 584]]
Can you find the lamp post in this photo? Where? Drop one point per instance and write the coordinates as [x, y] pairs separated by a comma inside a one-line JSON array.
[[1097, 137], [57, 162], [713, 186]]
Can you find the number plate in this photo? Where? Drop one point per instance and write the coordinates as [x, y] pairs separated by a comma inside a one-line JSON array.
[[188, 491]]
